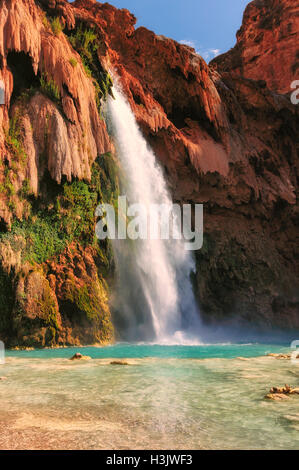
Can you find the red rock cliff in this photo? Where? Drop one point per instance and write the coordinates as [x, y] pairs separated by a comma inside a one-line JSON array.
[[267, 45], [51, 283]]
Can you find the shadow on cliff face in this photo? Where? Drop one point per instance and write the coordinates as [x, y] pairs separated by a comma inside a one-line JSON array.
[[7, 298], [24, 77]]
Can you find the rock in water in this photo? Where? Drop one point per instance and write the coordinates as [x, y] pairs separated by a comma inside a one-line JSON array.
[[276, 396], [79, 356], [279, 393], [279, 356], [119, 363]]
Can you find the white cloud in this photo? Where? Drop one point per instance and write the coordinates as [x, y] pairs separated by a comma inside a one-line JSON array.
[[215, 52], [188, 42], [207, 54]]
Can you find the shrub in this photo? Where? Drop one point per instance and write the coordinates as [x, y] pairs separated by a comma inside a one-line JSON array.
[[86, 68], [106, 84], [50, 87], [26, 189], [86, 43], [73, 62], [17, 162], [13, 138], [46, 21], [56, 26]]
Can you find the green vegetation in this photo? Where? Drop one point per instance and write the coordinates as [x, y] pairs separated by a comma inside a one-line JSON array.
[[46, 22], [48, 308], [86, 43], [85, 298], [25, 97], [73, 62], [13, 138], [25, 191], [50, 88], [92, 302], [18, 161], [48, 230], [66, 215], [60, 215], [56, 26], [106, 85], [104, 178]]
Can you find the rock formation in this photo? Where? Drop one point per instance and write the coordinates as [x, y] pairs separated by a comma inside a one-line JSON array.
[[52, 286], [119, 363], [280, 393], [267, 45], [78, 356], [225, 135]]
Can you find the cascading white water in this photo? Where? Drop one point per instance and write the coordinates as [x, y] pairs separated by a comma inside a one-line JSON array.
[[154, 297]]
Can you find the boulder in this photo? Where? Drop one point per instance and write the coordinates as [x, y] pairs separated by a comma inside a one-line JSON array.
[[279, 393], [79, 356], [276, 396], [280, 356]]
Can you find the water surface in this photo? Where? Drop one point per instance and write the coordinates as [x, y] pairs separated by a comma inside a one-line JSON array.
[[169, 397]]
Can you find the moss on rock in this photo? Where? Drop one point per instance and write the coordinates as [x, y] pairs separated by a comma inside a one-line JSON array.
[[59, 245], [89, 302]]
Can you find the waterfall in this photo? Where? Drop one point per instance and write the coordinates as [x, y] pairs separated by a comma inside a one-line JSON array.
[[154, 297]]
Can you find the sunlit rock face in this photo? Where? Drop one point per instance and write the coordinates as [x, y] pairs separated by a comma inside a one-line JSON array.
[[225, 136], [267, 45], [51, 134], [29, 47]]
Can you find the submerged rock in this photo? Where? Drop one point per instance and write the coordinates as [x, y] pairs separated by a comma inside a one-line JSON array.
[[119, 363], [276, 396], [280, 356], [279, 393], [78, 356]]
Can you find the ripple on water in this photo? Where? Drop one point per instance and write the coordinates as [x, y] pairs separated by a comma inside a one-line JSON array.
[[154, 402]]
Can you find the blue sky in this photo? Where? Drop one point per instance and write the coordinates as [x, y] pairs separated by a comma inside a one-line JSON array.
[[209, 26]]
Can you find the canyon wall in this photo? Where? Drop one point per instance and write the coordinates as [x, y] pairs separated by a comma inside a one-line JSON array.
[[55, 167], [267, 45], [225, 135]]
